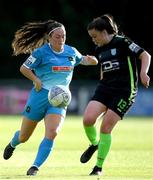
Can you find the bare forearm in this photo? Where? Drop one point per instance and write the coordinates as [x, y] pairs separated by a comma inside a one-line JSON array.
[[31, 76], [28, 73], [145, 62]]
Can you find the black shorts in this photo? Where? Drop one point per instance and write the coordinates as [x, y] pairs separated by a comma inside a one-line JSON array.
[[119, 102]]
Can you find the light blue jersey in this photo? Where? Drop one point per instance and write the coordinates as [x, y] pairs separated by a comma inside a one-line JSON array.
[[51, 67]]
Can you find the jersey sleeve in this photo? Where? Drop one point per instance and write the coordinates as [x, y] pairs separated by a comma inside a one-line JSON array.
[[78, 56], [33, 60], [133, 47]]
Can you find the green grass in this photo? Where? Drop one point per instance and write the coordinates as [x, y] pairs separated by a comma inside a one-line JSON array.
[[130, 158]]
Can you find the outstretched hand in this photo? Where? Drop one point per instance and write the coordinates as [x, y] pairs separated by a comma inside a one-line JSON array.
[[92, 59], [145, 79]]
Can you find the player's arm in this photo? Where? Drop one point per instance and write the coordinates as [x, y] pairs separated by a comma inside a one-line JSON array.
[[89, 60], [28, 73], [145, 58]]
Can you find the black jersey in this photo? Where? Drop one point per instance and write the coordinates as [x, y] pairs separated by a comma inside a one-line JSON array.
[[118, 65]]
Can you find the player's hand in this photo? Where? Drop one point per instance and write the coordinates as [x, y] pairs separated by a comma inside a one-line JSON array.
[[92, 59], [37, 84], [145, 79]]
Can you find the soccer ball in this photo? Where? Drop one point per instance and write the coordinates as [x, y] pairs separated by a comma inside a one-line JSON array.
[[59, 96]]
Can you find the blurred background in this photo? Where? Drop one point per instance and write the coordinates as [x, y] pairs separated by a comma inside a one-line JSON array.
[[133, 17]]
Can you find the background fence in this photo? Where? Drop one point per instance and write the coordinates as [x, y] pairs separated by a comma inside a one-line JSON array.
[[14, 93]]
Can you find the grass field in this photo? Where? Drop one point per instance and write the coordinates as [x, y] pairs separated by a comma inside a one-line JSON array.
[[130, 158]]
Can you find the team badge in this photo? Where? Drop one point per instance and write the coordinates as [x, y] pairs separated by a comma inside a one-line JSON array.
[[71, 58], [113, 52]]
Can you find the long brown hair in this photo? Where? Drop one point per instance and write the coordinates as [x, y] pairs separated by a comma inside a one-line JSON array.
[[32, 35]]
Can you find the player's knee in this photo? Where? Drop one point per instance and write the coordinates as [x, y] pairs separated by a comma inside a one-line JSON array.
[[106, 129], [52, 134], [88, 121]]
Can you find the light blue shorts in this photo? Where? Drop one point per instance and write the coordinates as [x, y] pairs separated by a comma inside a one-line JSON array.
[[38, 106]]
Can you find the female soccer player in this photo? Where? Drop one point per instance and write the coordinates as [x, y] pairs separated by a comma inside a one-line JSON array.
[[51, 62], [117, 87]]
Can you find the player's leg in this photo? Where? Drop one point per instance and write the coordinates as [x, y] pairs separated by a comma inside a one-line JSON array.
[[52, 124], [109, 121], [93, 111], [31, 116], [21, 136]]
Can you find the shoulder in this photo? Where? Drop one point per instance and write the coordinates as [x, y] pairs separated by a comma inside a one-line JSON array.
[[130, 45], [119, 39], [39, 51], [42, 48], [124, 39], [70, 49]]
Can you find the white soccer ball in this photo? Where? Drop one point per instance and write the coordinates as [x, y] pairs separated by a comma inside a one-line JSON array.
[[59, 96]]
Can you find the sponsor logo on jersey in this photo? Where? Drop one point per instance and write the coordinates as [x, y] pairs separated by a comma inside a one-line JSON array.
[[110, 65], [30, 60], [134, 47], [62, 68]]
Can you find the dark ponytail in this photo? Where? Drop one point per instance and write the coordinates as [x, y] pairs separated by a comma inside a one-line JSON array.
[[106, 22]]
